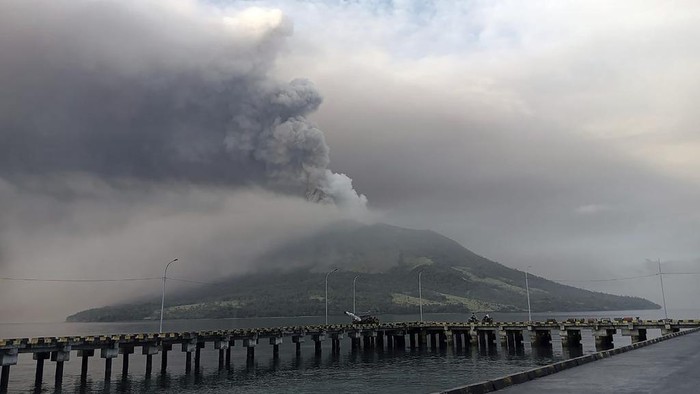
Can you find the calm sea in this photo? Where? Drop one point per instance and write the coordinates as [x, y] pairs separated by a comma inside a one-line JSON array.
[[418, 371]]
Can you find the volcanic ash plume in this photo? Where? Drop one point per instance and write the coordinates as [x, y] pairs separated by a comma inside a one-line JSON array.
[[158, 90]]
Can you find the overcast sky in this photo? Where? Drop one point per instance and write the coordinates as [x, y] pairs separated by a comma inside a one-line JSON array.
[[556, 135]]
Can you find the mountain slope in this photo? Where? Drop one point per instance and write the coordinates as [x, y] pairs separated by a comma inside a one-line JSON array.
[[387, 260]]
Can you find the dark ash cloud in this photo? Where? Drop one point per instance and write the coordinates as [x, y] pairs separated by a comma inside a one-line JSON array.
[[157, 91]]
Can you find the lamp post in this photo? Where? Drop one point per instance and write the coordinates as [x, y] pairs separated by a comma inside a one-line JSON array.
[[527, 287], [353, 293], [327, 294], [420, 296], [663, 295], [162, 299], [466, 293]]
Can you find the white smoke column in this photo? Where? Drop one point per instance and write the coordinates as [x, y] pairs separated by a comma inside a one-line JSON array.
[[158, 90]]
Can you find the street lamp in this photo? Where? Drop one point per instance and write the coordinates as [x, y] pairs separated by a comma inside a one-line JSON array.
[[466, 294], [527, 287], [327, 294], [353, 293], [663, 295], [162, 299], [420, 296]]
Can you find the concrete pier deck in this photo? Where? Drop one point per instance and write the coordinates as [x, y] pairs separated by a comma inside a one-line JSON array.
[[671, 366]]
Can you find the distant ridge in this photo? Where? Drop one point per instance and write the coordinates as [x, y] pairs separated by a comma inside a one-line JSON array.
[[387, 258]]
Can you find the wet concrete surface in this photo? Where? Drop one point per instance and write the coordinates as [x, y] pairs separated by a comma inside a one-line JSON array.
[[671, 366]]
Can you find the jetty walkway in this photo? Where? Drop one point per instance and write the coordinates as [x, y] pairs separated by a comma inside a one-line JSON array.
[[666, 367]]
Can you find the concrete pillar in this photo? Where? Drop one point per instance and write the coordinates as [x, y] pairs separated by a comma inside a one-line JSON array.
[[60, 356], [433, 340], [85, 356], [458, 339], [197, 357], [298, 340], [165, 348], [39, 375], [109, 352], [604, 337], [422, 340], [380, 340], [570, 337], [222, 345], [276, 342], [448, 338], [412, 340], [639, 336], [4, 378], [541, 337], [8, 357], [249, 344], [515, 338], [231, 343], [442, 339], [318, 340], [503, 338], [473, 337], [188, 348], [125, 351]]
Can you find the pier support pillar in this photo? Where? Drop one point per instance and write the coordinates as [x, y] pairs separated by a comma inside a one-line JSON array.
[[380, 340], [541, 337], [39, 375], [459, 343], [412, 340], [641, 335], [503, 338], [231, 343], [249, 344], [318, 340], [569, 337], [515, 338], [4, 378], [197, 357], [473, 337], [222, 345], [149, 350], [298, 340], [276, 342], [422, 339], [60, 356], [125, 351], [8, 357], [604, 337], [188, 348], [433, 340], [108, 353], [85, 357], [165, 348]]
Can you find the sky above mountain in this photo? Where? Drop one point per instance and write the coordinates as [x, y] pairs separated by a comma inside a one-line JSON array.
[[559, 136]]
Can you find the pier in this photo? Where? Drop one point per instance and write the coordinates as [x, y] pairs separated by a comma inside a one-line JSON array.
[[368, 337]]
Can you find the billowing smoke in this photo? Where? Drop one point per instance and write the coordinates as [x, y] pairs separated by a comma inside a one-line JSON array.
[[164, 90]]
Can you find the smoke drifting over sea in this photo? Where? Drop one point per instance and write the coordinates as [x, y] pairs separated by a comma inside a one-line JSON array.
[[158, 91]]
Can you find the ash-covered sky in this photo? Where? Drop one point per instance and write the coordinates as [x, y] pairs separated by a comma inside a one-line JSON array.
[[557, 135]]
